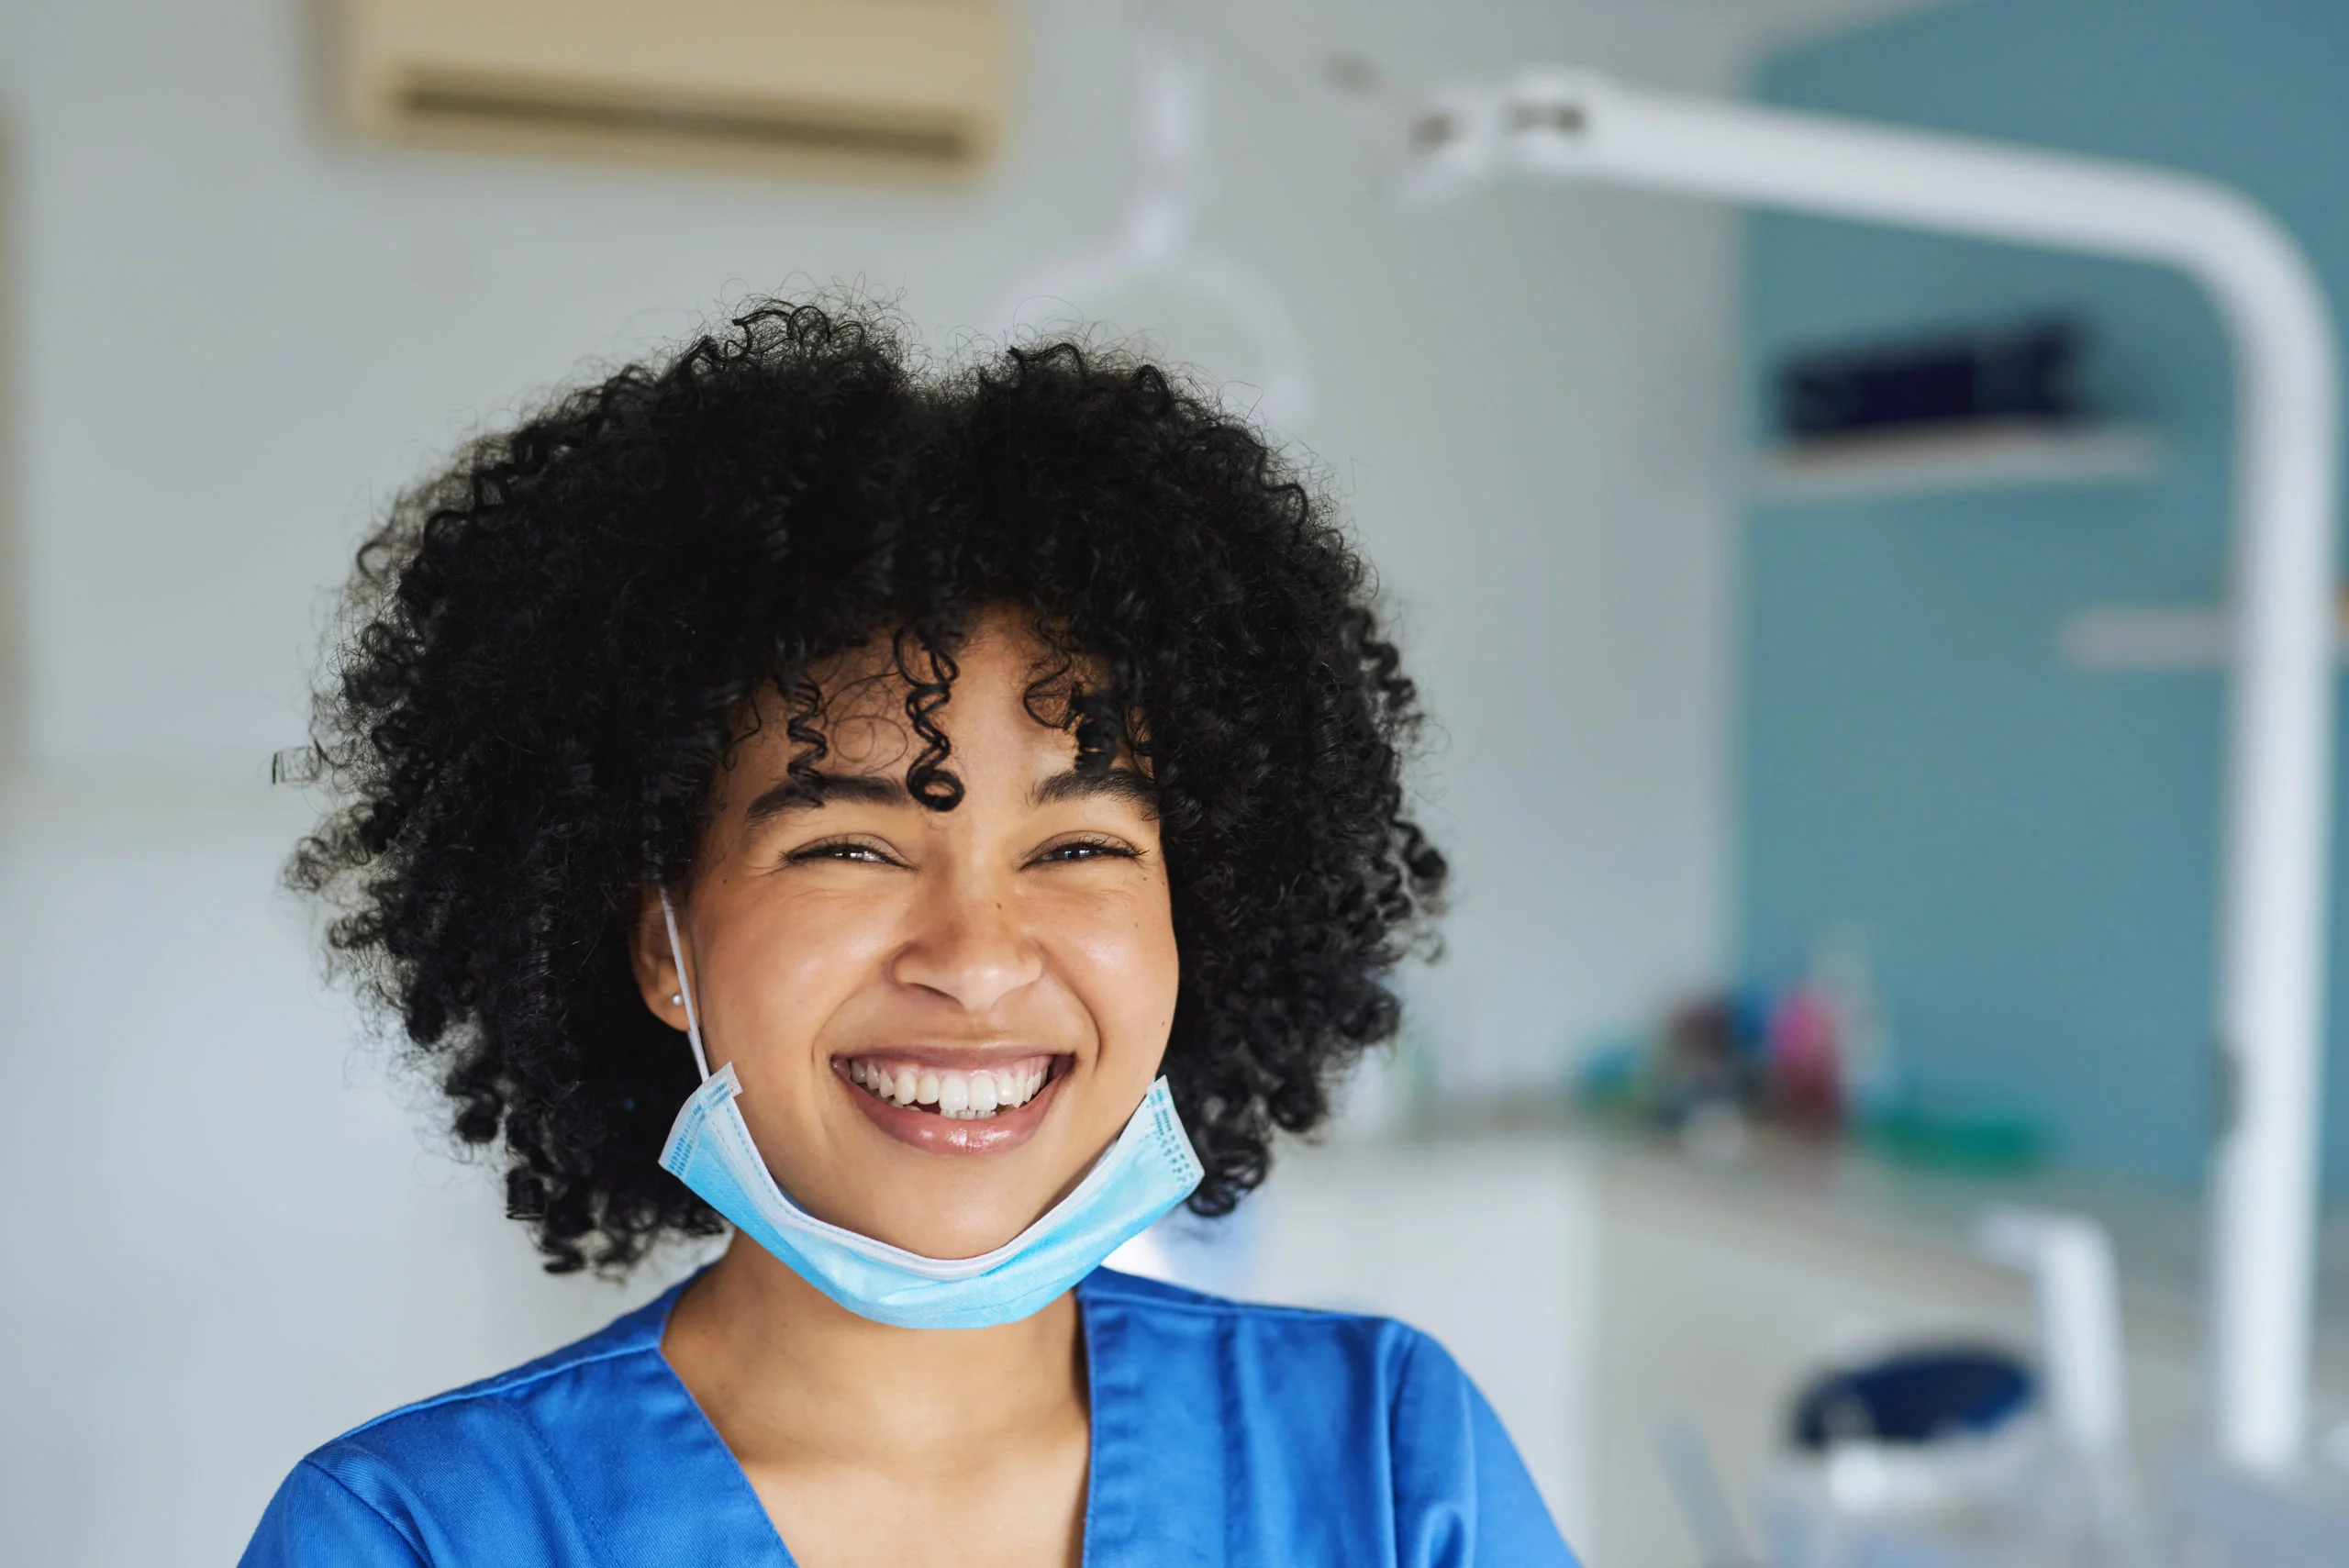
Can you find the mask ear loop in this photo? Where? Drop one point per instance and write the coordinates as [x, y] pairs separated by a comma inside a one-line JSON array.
[[684, 987]]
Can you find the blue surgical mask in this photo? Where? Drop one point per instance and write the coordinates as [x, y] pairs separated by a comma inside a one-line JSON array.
[[1149, 1170]]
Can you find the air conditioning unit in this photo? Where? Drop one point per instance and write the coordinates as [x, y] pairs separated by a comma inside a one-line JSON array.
[[851, 86]]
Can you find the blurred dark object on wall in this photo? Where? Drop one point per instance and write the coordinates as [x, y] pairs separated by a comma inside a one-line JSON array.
[[2029, 372]]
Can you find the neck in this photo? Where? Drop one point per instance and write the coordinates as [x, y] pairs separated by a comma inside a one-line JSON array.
[[781, 1369]]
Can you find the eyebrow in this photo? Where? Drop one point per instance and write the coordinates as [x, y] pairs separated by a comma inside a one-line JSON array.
[[1113, 783], [810, 792], [805, 794]]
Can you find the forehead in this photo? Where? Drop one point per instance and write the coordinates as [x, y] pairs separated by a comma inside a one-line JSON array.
[[998, 685], [909, 722]]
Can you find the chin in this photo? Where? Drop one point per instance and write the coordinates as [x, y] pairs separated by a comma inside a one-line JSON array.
[[963, 1236]]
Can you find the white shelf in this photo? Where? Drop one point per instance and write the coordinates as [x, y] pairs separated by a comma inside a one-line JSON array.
[[2002, 456], [2154, 638]]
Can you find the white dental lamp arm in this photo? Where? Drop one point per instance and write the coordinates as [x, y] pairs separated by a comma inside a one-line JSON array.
[[1154, 245], [2278, 760]]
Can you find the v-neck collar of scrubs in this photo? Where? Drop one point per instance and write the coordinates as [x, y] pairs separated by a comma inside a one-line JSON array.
[[737, 1520], [1220, 1434]]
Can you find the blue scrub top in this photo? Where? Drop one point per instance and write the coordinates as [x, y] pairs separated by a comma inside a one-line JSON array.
[[1222, 1434]]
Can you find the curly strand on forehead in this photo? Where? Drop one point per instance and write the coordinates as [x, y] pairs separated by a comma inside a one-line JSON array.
[[554, 646], [1060, 693]]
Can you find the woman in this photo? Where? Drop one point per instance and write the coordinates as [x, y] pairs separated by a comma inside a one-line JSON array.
[[934, 823]]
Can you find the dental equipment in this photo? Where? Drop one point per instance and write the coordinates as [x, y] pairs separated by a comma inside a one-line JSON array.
[[1154, 245], [2069, 1260], [2263, 1209]]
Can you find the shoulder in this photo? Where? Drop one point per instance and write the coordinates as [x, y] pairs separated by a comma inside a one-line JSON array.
[[608, 1356], [1276, 1366], [497, 1448], [1369, 1418]]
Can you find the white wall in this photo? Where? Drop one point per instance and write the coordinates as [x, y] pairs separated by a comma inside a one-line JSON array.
[[236, 336]]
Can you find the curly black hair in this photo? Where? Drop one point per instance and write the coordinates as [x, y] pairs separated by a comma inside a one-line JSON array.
[[549, 650]]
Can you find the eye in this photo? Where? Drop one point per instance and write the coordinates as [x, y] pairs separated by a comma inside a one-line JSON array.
[[1072, 850], [859, 851]]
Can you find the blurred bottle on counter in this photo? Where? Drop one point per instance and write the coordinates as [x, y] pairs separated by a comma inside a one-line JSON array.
[[1818, 1056], [1867, 1052]]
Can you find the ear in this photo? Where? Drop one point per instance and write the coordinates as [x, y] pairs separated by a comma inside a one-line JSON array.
[[655, 967]]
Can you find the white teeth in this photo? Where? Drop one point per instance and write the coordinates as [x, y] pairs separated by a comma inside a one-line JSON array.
[[964, 1097], [953, 1093]]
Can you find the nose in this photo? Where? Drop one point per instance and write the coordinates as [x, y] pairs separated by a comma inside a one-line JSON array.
[[970, 946]]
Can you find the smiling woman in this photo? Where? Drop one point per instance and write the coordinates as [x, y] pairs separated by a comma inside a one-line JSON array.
[[1011, 962], [933, 822]]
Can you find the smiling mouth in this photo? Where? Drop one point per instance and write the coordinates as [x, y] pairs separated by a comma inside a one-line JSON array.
[[977, 1094]]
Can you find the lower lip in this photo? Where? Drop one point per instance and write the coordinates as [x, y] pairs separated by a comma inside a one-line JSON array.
[[935, 1134]]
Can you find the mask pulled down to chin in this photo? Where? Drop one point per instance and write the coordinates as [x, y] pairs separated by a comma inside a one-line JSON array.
[[1149, 1168]]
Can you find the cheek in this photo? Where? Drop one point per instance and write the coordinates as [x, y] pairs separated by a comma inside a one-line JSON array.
[[795, 962], [1126, 969]]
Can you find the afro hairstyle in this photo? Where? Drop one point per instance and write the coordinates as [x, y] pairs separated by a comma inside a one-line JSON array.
[[548, 650]]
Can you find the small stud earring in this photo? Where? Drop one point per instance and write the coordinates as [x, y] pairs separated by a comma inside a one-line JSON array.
[[676, 999]]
